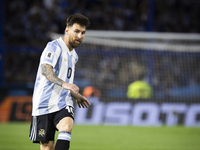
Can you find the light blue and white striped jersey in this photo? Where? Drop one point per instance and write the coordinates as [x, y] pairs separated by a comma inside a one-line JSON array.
[[47, 96]]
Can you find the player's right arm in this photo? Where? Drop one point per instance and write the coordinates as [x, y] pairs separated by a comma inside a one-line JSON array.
[[47, 71]]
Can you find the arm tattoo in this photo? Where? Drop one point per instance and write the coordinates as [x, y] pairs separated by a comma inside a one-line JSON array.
[[48, 72]]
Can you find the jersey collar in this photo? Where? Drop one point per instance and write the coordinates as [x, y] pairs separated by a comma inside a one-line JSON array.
[[64, 46]]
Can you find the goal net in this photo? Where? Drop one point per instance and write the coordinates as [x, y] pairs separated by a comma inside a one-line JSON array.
[[146, 78]]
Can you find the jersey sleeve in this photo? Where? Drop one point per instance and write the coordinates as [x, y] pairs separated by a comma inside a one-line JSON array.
[[50, 54]]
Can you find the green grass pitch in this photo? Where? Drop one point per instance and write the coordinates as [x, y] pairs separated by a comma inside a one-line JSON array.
[[14, 136]]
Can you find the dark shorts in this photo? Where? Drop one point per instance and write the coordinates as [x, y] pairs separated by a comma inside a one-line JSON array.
[[43, 127]]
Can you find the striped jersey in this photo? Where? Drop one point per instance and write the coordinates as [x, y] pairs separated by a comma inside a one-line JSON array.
[[47, 96]]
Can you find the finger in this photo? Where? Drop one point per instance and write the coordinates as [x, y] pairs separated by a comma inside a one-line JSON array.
[[86, 100], [82, 105], [78, 104], [86, 105]]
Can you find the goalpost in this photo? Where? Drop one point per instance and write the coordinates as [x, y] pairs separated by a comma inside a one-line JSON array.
[[165, 68]]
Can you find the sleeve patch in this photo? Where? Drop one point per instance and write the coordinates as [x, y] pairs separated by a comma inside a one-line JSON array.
[[49, 55]]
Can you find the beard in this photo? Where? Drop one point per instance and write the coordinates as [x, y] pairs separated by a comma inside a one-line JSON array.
[[74, 43]]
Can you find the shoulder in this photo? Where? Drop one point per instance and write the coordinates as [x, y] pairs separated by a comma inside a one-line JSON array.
[[53, 46]]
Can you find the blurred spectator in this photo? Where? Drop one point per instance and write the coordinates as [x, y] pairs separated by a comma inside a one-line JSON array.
[[91, 91], [139, 90], [28, 22]]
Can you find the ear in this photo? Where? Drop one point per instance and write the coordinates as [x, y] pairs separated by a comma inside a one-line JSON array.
[[66, 30]]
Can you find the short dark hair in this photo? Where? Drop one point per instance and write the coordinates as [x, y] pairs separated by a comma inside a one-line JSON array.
[[79, 19]]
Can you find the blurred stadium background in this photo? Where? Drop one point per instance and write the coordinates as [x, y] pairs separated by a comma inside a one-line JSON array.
[[139, 63]]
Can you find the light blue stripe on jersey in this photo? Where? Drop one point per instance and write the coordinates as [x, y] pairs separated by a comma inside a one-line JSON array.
[[49, 86], [51, 48], [62, 102], [67, 93], [44, 99], [56, 69]]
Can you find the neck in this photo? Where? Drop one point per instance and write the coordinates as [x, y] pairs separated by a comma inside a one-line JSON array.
[[66, 41]]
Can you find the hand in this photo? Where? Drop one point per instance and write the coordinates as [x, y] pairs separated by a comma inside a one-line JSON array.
[[80, 100], [72, 87], [83, 101]]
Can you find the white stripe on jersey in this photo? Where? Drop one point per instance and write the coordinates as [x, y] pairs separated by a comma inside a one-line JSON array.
[[47, 96]]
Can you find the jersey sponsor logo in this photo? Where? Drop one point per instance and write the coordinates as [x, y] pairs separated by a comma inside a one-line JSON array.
[[65, 59], [41, 132]]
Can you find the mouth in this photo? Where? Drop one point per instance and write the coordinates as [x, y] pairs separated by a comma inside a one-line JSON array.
[[78, 41]]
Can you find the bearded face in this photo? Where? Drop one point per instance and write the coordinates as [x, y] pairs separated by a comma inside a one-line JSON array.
[[73, 42], [76, 33]]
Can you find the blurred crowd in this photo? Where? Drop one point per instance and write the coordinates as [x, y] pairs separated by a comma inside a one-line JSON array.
[[20, 67], [173, 74], [28, 22]]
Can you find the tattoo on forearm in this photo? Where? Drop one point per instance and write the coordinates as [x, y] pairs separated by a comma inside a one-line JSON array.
[[48, 72]]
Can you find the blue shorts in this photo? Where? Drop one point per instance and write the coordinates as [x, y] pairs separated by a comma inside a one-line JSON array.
[[43, 127]]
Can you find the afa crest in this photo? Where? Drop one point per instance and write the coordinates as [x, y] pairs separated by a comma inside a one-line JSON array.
[[41, 132], [49, 55]]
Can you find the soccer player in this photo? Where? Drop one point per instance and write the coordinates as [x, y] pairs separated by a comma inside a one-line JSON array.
[[54, 90]]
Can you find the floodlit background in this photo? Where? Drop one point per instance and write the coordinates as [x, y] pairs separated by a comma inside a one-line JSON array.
[[139, 65]]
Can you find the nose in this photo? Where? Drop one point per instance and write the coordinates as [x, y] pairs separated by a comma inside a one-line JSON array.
[[80, 35]]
